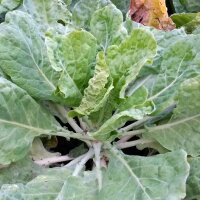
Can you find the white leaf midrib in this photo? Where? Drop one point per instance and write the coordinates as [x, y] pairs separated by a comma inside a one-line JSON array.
[[35, 129], [169, 125]]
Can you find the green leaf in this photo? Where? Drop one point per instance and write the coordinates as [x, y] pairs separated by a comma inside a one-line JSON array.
[[21, 119], [152, 75], [78, 50], [186, 5], [105, 24], [193, 181], [182, 131], [8, 5], [77, 189], [190, 21], [118, 120], [22, 171], [145, 178], [38, 151], [11, 192], [67, 89], [23, 56], [181, 19], [72, 3], [119, 36], [137, 98], [126, 60], [48, 13], [55, 184], [83, 10], [98, 118], [46, 186], [53, 43], [96, 94], [152, 145], [178, 63], [2, 74], [78, 151], [66, 86], [164, 41], [122, 5]]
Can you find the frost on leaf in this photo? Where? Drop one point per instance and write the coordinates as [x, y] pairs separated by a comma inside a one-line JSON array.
[[151, 13]]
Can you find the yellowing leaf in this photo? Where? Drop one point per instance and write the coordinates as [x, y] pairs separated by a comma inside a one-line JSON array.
[[151, 13]]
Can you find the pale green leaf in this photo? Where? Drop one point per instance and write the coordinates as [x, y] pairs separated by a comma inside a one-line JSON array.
[[118, 120], [77, 189], [152, 145], [48, 13], [119, 36], [159, 75], [23, 56], [38, 151], [66, 87], [193, 181], [78, 50], [105, 113], [11, 192], [98, 90], [22, 171], [186, 5], [126, 60], [56, 184], [105, 24], [182, 131], [83, 10], [52, 43], [8, 5], [122, 5], [137, 98], [179, 62], [21, 119], [30, 64], [46, 186], [161, 177], [163, 39]]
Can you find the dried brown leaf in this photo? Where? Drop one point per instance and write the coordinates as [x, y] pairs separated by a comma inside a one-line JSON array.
[[151, 13]]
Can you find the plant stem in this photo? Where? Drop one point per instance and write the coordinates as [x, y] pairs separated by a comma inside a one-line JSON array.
[[135, 124], [75, 161], [133, 143], [52, 160], [132, 133], [97, 151], [124, 139], [68, 134], [83, 124], [71, 121], [88, 122], [81, 164], [128, 135]]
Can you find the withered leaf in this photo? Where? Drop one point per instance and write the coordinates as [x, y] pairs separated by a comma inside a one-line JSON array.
[[151, 13]]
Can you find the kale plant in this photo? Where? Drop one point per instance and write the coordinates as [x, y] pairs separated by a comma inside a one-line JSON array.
[[82, 71]]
